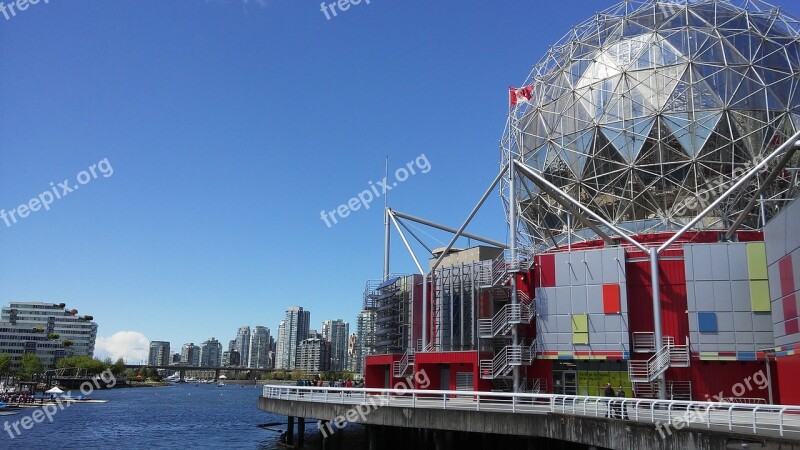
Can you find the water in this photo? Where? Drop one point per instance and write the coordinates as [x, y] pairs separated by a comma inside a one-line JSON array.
[[180, 416]]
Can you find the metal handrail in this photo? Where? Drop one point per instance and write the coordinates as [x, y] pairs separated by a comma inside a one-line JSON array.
[[746, 419], [644, 371], [508, 315], [400, 367]]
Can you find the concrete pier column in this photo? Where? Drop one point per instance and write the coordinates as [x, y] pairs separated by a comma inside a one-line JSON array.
[[324, 436], [290, 430], [301, 431], [373, 432], [438, 440]]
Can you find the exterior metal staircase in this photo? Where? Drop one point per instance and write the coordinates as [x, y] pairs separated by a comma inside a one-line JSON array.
[[508, 316], [504, 361], [670, 355], [401, 368], [504, 266]]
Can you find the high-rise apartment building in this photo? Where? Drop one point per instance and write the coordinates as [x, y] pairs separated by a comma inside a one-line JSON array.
[[159, 353], [280, 345], [339, 331], [46, 330], [295, 330], [326, 330], [243, 344], [365, 333], [190, 354], [313, 355], [211, 353], [259, 348]]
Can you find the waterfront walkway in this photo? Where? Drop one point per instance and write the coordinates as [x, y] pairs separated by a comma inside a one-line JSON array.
[[781, 423]]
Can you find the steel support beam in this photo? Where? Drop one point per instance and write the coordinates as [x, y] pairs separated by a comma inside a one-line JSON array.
[[386, 242], [512, 235], [657, 331], [758, 195], [543, 183], [422, 221], [794, 141], [411, 232], [405, 241]]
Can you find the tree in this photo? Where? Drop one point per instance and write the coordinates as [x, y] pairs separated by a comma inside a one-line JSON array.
[[30, 366], [5, 364], [91, 365], [66, 343], [118, 367]]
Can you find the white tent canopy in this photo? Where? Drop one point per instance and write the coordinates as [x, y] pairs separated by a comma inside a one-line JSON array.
[[54, 390]]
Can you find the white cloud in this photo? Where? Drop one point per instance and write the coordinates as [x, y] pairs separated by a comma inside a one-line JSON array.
[[129, 345]]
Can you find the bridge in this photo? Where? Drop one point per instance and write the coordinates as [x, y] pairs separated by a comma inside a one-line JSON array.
[[411, 415], [182, 369]]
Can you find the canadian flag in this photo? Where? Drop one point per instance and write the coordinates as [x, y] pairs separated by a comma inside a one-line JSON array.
[[522, 94]]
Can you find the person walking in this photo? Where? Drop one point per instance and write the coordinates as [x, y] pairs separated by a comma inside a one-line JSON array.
[[621, 407], [609, 392]]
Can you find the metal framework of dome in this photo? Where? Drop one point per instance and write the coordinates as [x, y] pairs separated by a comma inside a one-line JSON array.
[[648, 109]]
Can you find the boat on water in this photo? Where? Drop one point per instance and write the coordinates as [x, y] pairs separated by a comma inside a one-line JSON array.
[[8, 410], [174, 378], [220, 384]]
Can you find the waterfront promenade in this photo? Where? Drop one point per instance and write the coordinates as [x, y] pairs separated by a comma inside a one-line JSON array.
[[577, 419]]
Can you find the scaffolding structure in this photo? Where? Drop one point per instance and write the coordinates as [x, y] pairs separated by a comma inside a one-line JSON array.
[[392, 301]]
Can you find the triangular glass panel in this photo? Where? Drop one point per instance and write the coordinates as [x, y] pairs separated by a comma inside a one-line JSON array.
[[771, 54], [627, 51], [628, 102], [657, 85], [577, 69], [602, 68], [692, 129], [630, 28], [536, 158], [678, 20], [732, 55], [750, 94], [659, 53], [732, 22], [577, 146], [692, 94], [750, 127], [628, 137]]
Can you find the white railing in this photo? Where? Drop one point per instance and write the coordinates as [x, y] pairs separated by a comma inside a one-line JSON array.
[[759, 420], [670, 355], [746, 400], [645, 371], [508, 315], [538, 385], [679, 355], [505, 360], [644, 342], [676, 390]]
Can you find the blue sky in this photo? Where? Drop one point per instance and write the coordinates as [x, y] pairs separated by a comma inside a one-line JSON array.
[[229, 126]]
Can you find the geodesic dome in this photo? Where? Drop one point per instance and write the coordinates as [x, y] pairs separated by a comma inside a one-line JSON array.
[[649, 109]]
